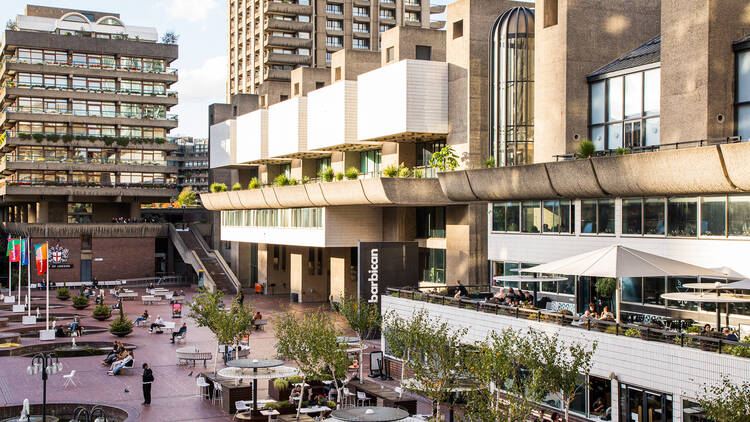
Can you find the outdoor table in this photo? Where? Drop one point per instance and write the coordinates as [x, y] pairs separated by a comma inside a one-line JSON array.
[[270, 413], [385, 396], [255, 364], [169, 325], [231, 392], [370, 414], [314, 409]]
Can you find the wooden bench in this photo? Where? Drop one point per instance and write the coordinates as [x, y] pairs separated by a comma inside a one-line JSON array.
[[128, 295], [150, 300], [192, 357]]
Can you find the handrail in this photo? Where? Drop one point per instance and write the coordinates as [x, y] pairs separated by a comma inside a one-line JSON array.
[[681, 339], [190, 257], [75, 63], [78, 160], [152, 185], [217, 255], [66, 87], [660, 147], [86, 113]]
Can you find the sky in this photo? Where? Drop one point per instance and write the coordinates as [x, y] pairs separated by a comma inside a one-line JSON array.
[[203, 39]]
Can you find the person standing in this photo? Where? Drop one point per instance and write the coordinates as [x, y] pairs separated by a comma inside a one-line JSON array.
[[241, 298], [148, 378]]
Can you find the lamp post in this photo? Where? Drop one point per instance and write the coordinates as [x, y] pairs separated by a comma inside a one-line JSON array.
[[44, 362], [96, 414]]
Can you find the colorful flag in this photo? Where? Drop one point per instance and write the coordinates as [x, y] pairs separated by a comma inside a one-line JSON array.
[[14, 250], [40, 252], [24, 252], [10, 246]]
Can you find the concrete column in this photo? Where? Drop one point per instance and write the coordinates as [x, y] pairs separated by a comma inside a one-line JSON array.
[[466, 244], [42, 212], [17, 213], [135, 210], [295, 274], [243, 262], [24, 212], [31, 212], [263, 265]]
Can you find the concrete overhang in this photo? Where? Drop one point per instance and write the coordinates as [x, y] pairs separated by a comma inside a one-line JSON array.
[[46, 230], [376, 191], [306, 155], [353, 147], [718, 169]]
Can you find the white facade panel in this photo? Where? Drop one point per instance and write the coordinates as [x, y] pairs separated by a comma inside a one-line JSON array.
[[680, 371], [275, 235], [287, 127], [220, 144], [407, 96], [252, 136], [332, 115]]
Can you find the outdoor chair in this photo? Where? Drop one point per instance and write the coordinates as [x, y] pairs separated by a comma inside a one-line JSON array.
[[180, 338], [348, 398], [241, 406], [69, 379], [144, 322], [362, 399], [217, 393], [202, 387]]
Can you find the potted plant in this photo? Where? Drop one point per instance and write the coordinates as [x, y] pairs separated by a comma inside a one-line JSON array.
[[80, 302], [63, 293], [102, 312], [121, 326], [326, 174], [279, 388], [352, 173]]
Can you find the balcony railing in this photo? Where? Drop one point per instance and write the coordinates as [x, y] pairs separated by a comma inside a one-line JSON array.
[[86, 65], [76, 160], [660, 147], [65, 137], [673, 333], [65, 87], [90, 113], [68, 183]]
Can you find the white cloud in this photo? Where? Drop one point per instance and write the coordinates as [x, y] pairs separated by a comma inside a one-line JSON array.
[[188, 10], [196, 89]]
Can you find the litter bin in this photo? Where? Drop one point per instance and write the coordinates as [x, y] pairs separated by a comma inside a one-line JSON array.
[[294, 297]]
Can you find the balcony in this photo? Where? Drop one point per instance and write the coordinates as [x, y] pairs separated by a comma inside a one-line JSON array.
[[11, 163], [67, 188], [332, 119], [52, 230], [11, 91], [288, 8], [293, 42], [287, 59], [405, 101], [287, 25], [11, 139], [15, 113], [11, 65], [278, 75]]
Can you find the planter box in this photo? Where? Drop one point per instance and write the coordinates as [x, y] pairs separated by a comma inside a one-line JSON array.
[[278, 395]]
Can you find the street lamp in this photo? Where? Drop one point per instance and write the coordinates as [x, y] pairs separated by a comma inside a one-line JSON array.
[[96, 414], [44, 362]]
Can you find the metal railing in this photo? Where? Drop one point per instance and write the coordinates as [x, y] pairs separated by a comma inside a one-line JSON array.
[[644, 332], [77, 160], [66, 87], [653, 148], [86, 65], [80, 184], [90, 113]]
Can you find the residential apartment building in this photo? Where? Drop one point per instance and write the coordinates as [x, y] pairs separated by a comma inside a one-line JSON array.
[[516, 92], [191, 159], [269, 38], [85, 117]]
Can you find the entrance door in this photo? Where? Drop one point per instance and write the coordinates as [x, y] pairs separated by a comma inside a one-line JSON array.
[[85, 270], [638, 405]]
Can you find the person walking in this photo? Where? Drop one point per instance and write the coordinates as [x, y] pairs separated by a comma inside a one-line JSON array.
[[148, 378]]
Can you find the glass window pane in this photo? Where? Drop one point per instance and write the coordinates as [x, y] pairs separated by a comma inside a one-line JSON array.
[[597, 137], [653, 288], [588, 216], [633, 95], [743, 76], [651, 91], [498, 217], [682, 216], [567, 287], [530, 217], [652, 131], [566, 217], [606, 216], [614, 136], [631, 289], [653, 216], [551, 217], [632, 214], [597, 102], [600, 398], [713, 214], [513, 214], [614, 99], [674, 285], [739, 216]]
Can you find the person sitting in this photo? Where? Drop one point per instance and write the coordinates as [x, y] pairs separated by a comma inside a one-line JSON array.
[[75, 326], [729, 335], [179, 333], [182, 292], [256, 320], [296, 393], [527, 297], [118, 352], [60, 332], [151, 286], [461, 289], [592, 310], [606, 315], [511, 294], [706, 330], [585, 318], [118, 365], [158, 322], [142, 317]]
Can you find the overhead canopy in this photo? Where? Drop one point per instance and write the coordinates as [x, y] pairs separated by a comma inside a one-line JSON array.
[[737, 285], [729, 273], [707, 297], [248, 373], [528, 279], [617, 261]]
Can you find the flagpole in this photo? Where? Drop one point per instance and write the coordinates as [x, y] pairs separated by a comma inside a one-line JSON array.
[[47, 260], [20, 261], [10, 278], [28, 273]]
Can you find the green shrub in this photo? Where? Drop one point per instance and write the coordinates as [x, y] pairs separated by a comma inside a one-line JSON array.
[[121, 326], [101, 310], [489, 162], [24, 135], [605, 287], [160, 140], [305, 180], [281, 180], [403, 171], [390, 171], [63, 293], [417, 173], [293, 181], [108, 140], [122, 141], [237, 186], [93, 138], [633, 332], [281, 383], [296, 379], [53, 137], [622, 151], [81, 137], [326, 174], [352, 173], [67, 138], [339, 176], [80, 302], [254, 183], [218, 187], [39, 137], [586, 149]]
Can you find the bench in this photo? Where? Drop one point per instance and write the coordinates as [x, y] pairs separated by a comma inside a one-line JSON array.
[[184, 358], [259, 324], [128, 295], [150, 300]]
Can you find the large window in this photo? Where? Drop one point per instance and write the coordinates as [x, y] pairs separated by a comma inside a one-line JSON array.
[[361, 11], [643, 216], [682, 217], [369, 163], [639, 405], [506, 216], [293, 217], [430, 222], [361, 43], [557, 217], [432, 265], [625, 110], [598, 216], [742, 105], [336, 9], [531, 215]]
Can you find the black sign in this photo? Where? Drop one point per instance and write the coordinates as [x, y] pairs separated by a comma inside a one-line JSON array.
[[386, 264], [55, 266]]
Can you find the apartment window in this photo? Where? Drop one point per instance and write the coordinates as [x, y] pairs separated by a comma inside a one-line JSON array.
[[296, 88], [361, 27], [558, 217], [332, 41], [369, 163], [303, 35], [682, 217], [625, 110], [423, 52], [328, 56], [598, 216], [384, 27], [458, 29], [411, 16], [337, 73], [430, 222], [361, 11], [387, 14], [361, 43], [506, 216], [336, 9], [303, 18], [412, 2], [321, 164], [303, 51], [42, 56], [319, 85], [389, 54], [334, 25], [550, 13], [742, 106]]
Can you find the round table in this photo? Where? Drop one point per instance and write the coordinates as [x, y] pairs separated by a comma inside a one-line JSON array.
[[255, 364], [370, 414]]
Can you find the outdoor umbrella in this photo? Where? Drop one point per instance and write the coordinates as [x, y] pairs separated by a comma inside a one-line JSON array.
[[709, 297], [617, 261]]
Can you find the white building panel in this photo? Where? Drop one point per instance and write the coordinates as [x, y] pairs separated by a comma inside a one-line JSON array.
[[287, 127], [275, 235], [332, 115], [220, 147], [407, 96], [252, 136]]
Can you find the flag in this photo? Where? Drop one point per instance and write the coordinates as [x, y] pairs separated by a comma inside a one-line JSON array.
[[14, 250], [40, 252], [10, 246], [24, 252]]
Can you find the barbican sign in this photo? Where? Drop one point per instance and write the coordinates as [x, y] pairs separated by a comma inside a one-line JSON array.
[[386, 264]]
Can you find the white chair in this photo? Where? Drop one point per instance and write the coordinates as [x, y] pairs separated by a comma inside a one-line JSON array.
[[362, 399], [348, 398], [399, 390], [241, 406], [217, 393], [69, 379], [202, 387], [180, 338]]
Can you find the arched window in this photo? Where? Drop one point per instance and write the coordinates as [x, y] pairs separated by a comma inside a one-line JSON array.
[[512, 88], [75, 17], [110, 20]]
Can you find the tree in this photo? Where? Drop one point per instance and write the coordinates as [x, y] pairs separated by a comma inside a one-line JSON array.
[[439, 366], [311, 341], [446, 159], [364, 319], [10, 25], [187, 197], [170, 38], [563, 365], [228, 326], [402, 335], [726, 401], [510, 382]]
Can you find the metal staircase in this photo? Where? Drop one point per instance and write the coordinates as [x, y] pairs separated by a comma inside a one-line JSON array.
[[195, 252]]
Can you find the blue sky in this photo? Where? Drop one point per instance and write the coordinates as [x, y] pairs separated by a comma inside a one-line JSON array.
[[201, 25]]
